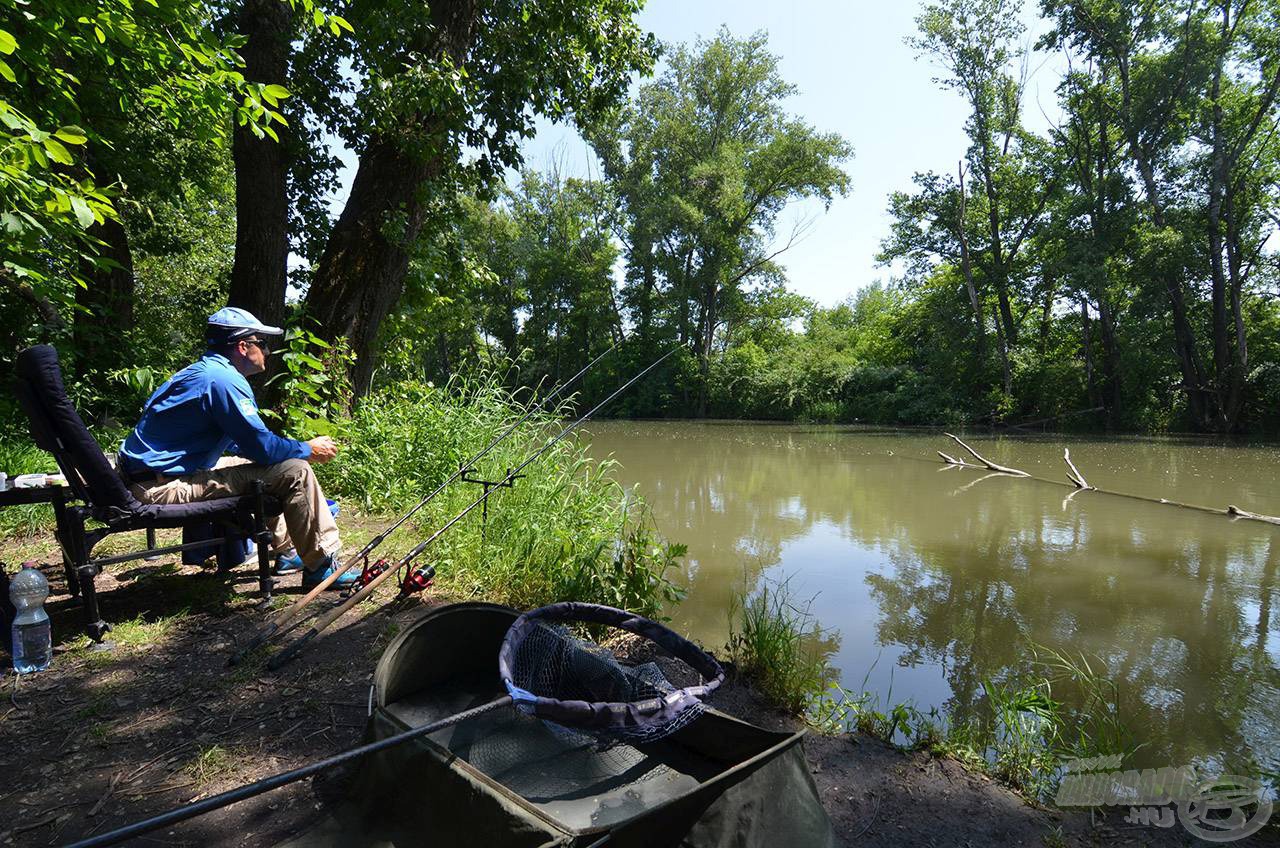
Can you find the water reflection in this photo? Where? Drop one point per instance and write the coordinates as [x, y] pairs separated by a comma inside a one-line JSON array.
[[938, 579]]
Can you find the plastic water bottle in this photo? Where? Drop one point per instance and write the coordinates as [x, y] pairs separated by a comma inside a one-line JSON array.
[[32, 636]]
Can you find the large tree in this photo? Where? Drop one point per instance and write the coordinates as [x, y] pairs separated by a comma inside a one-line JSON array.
[[705, 159], [84, 85], [976, 44], [443, 96], [1192, 90]]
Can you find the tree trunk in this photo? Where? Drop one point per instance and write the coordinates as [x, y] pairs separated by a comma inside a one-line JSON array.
[[105, 310], [648, 285], [1193, 374], [1222, 366], [709, 319], [999, 274], [1091, 384], [1003, 343], [262, 165], [361, 273], [966, 268], [1111, 393]]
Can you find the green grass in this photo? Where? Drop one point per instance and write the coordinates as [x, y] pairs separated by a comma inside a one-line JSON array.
[[1022, 737], [564, 531], [125, 636], [18, 456], [775, 642]]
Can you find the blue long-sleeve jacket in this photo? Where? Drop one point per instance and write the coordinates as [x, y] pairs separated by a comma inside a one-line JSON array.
[[205, 410]]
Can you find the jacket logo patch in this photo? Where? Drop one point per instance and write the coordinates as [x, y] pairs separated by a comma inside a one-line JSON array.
[[247, 407]]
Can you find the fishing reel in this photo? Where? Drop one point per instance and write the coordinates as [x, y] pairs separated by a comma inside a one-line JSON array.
[[368, 574], [417, 580]]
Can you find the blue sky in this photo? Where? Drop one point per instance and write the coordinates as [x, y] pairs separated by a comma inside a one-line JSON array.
[[855, 76]]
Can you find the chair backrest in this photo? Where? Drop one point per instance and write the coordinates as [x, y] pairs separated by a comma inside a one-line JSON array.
[[57, 427]]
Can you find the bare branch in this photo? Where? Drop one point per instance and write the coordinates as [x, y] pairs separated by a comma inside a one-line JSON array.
[[1237, 512], [988, 463], [1074, 474]]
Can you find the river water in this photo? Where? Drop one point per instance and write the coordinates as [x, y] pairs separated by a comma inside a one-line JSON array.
[[930, 580]]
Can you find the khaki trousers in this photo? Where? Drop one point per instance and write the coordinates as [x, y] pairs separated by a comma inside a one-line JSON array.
[[306, 523]]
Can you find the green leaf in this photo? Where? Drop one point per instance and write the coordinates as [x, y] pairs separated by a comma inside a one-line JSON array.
[[317, 17], [342, 22], [275, 92], [101, 36], [57, 152], [6, 71], [71, 134], [272, 133], [8, 43], [83, 213]]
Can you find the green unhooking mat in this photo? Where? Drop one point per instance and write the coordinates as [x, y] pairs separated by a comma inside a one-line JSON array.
[[507, 780]]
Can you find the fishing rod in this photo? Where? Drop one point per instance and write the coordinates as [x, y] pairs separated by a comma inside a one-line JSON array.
[[296, 647], [286, 617]]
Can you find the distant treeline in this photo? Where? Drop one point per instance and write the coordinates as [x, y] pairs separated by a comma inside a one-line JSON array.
[[1117, 271]]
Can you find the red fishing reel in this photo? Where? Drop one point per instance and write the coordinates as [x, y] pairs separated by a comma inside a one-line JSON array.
[[368, 574], [417, 580]]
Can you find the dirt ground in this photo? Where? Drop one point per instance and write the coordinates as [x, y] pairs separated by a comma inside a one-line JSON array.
[[107, 737]]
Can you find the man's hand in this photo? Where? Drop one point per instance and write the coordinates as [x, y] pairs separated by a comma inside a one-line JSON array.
[[323, 449]]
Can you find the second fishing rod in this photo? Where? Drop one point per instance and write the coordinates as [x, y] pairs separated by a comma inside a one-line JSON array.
[[286, 617], [296, 647]]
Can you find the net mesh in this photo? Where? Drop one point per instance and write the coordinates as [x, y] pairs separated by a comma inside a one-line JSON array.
[[553, 662]]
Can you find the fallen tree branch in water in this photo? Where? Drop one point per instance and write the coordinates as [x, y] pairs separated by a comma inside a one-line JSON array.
[[1080, 484], [1236, 512], [988, 463], [1074, 474], [958, 463]]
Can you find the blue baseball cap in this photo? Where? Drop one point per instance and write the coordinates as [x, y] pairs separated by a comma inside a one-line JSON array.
[[231, 323]]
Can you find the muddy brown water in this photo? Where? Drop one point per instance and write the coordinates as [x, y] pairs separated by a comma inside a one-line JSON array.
[[929, 581]]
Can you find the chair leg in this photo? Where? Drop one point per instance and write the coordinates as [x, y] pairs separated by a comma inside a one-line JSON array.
[[151, 545], [262, 536], [60, 524], [78, 554]]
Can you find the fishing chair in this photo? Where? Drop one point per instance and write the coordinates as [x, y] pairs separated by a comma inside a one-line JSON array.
[[57, 428]]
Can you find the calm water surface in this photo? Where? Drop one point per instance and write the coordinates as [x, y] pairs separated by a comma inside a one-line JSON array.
[[931, 580]]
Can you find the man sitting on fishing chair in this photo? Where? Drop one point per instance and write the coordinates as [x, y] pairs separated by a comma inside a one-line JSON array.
[[176, 453]]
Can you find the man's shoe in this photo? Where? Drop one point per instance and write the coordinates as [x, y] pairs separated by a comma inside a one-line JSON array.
[[312, 579], [287, 564]]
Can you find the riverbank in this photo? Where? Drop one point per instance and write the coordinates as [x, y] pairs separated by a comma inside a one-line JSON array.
[[107, 737]]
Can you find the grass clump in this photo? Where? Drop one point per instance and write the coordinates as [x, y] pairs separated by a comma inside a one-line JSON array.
[[1023, 736], [126, 635], [211, 764], [777, 644], [566, 531], [137, 632]]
